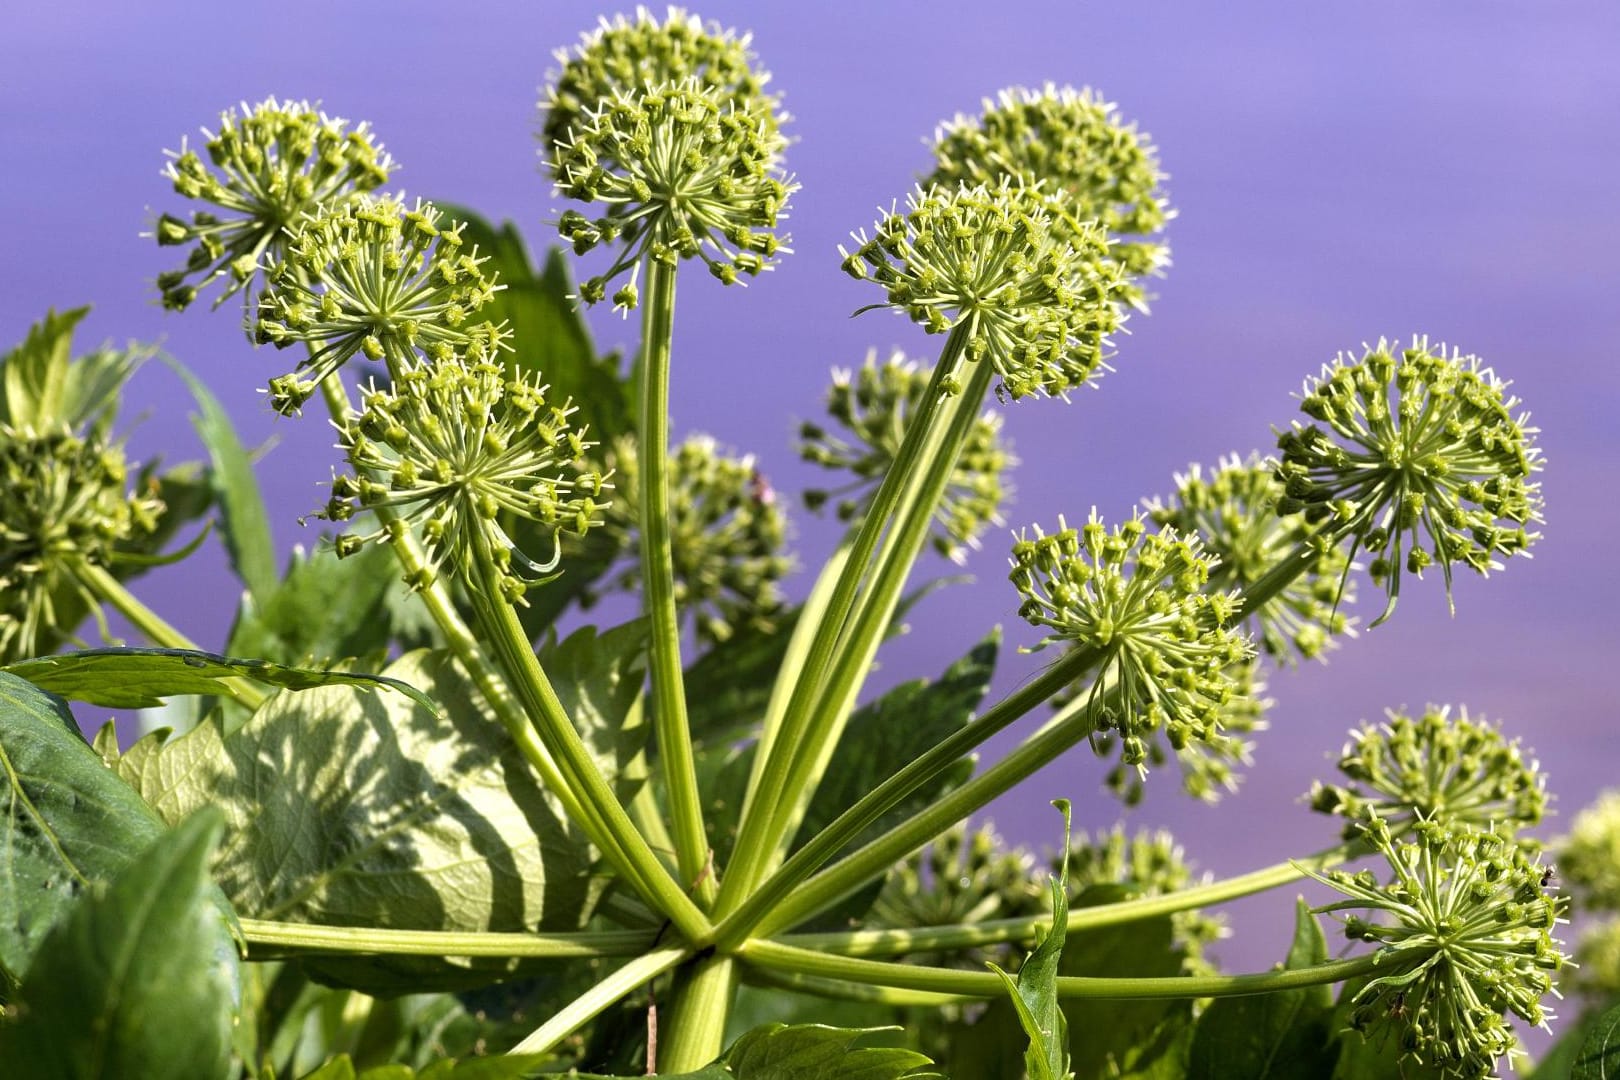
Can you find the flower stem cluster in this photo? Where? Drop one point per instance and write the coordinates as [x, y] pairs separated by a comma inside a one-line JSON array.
[[1469, 940], [459, 447], [1435, 768], [875, 404], [266, 171], [64, 503], [1234, 509], [371, 277], [1039, 305], [682, 173], [728, 535], [1423, 441], [625, 55], [1095, 166], [1141, 602]]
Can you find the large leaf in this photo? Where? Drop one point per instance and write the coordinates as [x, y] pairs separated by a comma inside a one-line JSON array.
[[354, 809], [513, 1067], [1271, 1036], [1599, 1056], [297, 623], [68, 821], [138, 982], [142, 678], [1034, 992], [807, 1052], [598, 679], [34, 375], [244, 525]]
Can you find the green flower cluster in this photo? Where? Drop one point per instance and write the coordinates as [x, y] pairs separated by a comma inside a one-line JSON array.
[[1233, 508], [1038, 304], [267, 170], [1468, 941], [457, 447], [1170, 661], [964, 877], [875, 404], [1589, 857], [1435, 768], [728, 534], [1095, 167], [1423, 441], [371, 277]]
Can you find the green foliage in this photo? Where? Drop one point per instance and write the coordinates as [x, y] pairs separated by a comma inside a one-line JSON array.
[[139, 981], [598, 679], [1599, 1057], [807, 1052], [34, 390], [1034, 991], [514, 1067]]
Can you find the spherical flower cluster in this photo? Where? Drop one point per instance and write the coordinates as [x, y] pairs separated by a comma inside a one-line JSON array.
[[625, 56], [1426, 441], [1437, 768], [682, 173], [875, 404], [456, 446], [64, 504], [1597, 958], [728, 534], [963, 876], [1234, 509], [1589, 857], [1140, 602], [266, 170], [1036, 304], [1469, 940], [1095, 166], [372, 277]]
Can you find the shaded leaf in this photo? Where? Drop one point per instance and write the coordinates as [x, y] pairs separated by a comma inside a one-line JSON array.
[[68, 822], [137, 982], [142, 678], [1034, 992], [515, 1067], [34, 375], [1599, 1056], [806, 1052], [1558, 1062], [296, 622], [598, 679]]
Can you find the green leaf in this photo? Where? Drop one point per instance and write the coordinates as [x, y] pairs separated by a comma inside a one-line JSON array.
[[98, 377], [807, 1052], [514, 1067], [352, 809], [34, 386], [1559, 1061], [138, 982], [244, 524], [1034, 992], [598, 679], [1271, 1036], [297, 623], [68, 822], [142, 678], [1599, 1056]]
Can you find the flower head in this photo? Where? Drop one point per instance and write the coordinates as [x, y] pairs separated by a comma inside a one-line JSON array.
[[457, 446], [1038, 305], [1589, 857], [1142, 601], [964, 876], [1597, 954], [1233, 508], [64, 504], [625, 56], [1436, 768], [1469, 940], [1095, 166], [266, 170], [1420, 442], [682, 173], [369, 276], [875, 404], [728, 534]]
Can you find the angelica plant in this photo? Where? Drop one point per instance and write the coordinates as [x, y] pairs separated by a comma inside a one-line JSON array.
[[419, 815]]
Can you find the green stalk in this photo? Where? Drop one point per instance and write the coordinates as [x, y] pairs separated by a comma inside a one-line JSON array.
[[695, 1031], [109, 590], [583, 1009], [279, 939], [1025, 929], [502, 629], [989, 985], [844, 990], [785, 770], [658, 578]]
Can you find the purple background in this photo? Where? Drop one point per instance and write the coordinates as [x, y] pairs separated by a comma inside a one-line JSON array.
[[1341, 171]]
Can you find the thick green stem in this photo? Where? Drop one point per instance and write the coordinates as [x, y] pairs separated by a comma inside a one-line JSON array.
[[658, 582], [502, 629], [844, 990], [692, 1031], [1026, 929], [584, 1009], [267, 939], [986, 984], [786, 771]]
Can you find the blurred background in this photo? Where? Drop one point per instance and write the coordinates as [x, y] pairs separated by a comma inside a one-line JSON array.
[[1341, 172]]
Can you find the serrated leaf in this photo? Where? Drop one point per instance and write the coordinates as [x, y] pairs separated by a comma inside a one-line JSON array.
[[598, 679], [67, 822], [1270, 1036], [91, 395], [296, 622], [1599, 1055], [1034, 992], [244, 525], [34, 375], [142, 678], [138, 982], [353, 809], [815, 1052]]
